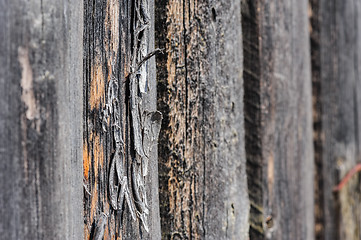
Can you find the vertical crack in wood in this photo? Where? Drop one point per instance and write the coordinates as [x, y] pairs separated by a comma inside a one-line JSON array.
[[314, 27], [252, 116]]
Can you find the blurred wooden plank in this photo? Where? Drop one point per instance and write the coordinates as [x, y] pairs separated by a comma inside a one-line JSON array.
[[338, 33], [287, 120], [203, 191], [40, 119], [278, 113]]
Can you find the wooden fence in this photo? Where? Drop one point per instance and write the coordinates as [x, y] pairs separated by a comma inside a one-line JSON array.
[[180, 119]]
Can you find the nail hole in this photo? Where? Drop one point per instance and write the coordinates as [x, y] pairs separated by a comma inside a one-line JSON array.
[[214, 14]]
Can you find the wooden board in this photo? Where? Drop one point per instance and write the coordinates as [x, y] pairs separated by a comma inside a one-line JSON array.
[[336, 29], [203, 188], [287, 120], [278, 115], [40, 119], [120, 122]]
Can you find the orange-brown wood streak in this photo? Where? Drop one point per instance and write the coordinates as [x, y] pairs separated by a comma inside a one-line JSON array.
[[97, 86], [98, 155], [103, 63], [177, 127], [201, 142], [94, 201], [182, 188], [86, 161]]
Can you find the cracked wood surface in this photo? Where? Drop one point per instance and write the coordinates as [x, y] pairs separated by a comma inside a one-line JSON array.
[[40, 119], [121, 124], [203, 189]]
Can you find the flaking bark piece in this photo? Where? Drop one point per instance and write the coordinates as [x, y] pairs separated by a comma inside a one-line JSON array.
[[144, 221], [124, 194], [113, 189], [138, 190], [140, 196], [129, 202], [121, 195], [151, 124], [135, 116], [98, 232]]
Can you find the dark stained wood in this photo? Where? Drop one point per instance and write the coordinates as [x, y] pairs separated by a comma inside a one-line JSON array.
[[252, 114], [119, 116], [278, 116], [203, 188], [40, 119], [338, 34], [314, 15]]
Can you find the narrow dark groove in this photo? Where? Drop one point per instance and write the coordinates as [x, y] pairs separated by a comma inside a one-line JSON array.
[[317, 120], [204, 172], [185, 75], [252, 115], [164, 151]]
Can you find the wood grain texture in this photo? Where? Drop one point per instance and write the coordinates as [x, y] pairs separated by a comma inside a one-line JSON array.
[[278, 116], [203, 188], [120, 198], [338, 33], [40, 119], [287, 120]]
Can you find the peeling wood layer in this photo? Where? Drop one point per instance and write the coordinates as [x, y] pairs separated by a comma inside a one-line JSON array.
[[121, 124], [203, 191]]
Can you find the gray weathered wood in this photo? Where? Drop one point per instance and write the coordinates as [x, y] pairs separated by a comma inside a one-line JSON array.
[[40, 119], [287, 119], [278, 115], [336, 29], [203, 189], [121, 123]]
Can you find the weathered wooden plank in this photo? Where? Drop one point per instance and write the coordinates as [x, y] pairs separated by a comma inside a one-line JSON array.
[[120, 121], [278, 115], [287, 120], [337, 30], [40, 119], [203, 190]]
